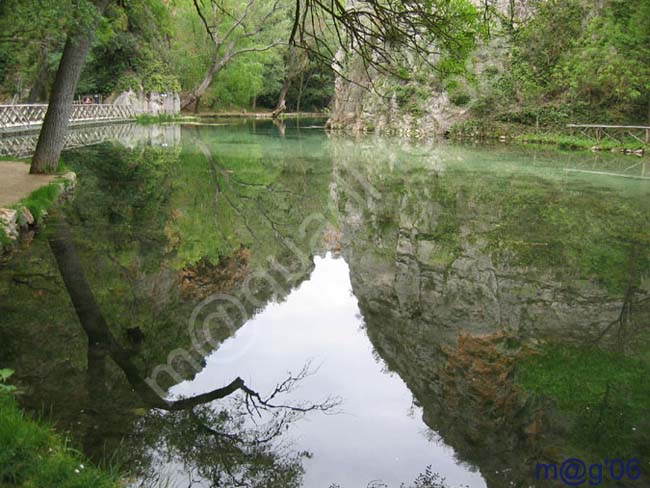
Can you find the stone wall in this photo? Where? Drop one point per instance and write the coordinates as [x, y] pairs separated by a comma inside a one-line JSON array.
[[151, 103]]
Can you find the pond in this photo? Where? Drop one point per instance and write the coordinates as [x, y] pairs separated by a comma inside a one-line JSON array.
[[381, 312]]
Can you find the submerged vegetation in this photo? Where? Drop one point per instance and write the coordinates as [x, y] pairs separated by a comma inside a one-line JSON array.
[[603, 395]]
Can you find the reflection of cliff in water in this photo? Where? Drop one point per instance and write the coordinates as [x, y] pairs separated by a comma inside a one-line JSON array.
[[460, 269], [158, 230]]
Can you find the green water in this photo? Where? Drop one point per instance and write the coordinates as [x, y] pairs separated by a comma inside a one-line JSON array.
[[466, 311]]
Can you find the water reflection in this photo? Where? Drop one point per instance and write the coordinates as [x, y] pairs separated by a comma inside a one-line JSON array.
[[134, 284], [475, 282], [480, 310], [131, 135], [379, 435]]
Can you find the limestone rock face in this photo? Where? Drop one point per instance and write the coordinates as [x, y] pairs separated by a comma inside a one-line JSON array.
[[150, 104], [357, 109], [71, 178], [9, 222], [415, 108], [25, 217]]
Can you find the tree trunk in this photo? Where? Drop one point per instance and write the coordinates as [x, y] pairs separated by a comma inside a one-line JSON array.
[[99, 333], [296, 64], [282, 104], [52, 136], [215, 66], [300, 89]]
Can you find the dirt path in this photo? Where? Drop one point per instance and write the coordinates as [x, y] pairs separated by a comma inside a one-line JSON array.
[[16, 183]]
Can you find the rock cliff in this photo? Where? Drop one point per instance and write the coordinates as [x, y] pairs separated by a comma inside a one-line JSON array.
[[428, 103]]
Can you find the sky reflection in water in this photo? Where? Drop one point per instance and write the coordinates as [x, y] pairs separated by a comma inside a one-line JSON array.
[[380, 434]]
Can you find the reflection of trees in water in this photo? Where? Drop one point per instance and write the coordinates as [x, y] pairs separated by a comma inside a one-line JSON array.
[[631, 323], [216, 441], [138, 230]]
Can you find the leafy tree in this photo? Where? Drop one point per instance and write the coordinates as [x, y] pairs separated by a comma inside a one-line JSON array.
[[78, 43], [579, 59], [33, 33], [610, 64], [130, 50], [233, 28]]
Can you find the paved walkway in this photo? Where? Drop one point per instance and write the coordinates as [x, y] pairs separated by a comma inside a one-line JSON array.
[[16, 183]]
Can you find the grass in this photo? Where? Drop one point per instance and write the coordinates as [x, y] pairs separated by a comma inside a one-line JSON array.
[[157, 119], [480, 129], [4, 240], [602, 395], [34, 456], [577, 142], [41, 200], [15, 159], [38, 202]]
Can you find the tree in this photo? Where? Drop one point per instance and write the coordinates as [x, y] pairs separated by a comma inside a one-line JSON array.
[[52, 136], [439, 33], [296, 64], [31, 37], [609, 65], [131, 51], [234, 28], [214, 438]]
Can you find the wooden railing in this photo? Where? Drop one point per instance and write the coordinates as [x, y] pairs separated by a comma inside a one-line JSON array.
[[26, 116], [640, 133]]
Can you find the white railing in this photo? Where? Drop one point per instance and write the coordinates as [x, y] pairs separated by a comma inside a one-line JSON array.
[[19, 116], [22, 144]]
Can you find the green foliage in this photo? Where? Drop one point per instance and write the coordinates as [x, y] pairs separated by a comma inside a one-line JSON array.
[[565, 141], [316, 91], [544, 225], [129, 43], [604, 396], [456, 36], [29, 26], [460, 99], [576, 60], [5, 374], [250, 73], [4, 239], [412, 96], [239, 82], [41, 200], [156, 119], [33, 456], [427, 479], [609, 66], [129, 51], [125, 195]]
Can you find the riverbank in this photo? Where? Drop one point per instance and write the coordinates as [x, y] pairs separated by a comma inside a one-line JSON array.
[[481, 130], [34, 455], [258, 115], [25, 200]]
